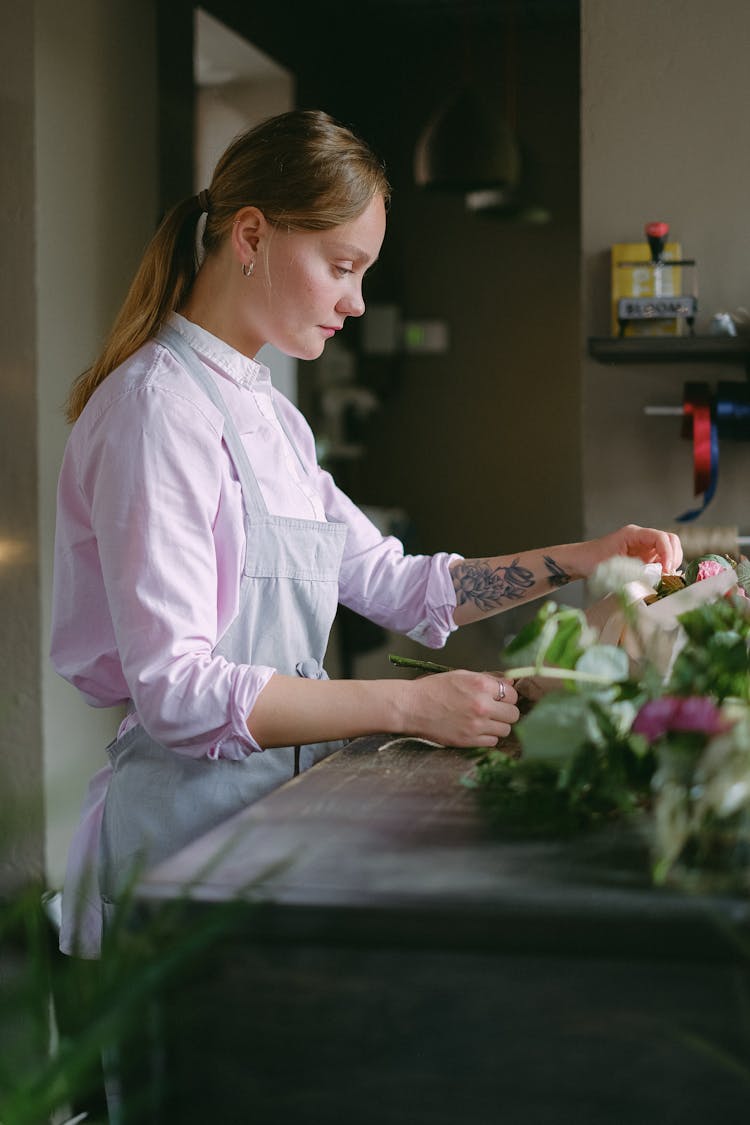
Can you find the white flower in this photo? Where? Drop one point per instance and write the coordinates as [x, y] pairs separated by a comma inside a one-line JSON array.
[[615, 574]]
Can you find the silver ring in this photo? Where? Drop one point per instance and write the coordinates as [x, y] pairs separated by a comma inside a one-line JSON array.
[[500, 691]]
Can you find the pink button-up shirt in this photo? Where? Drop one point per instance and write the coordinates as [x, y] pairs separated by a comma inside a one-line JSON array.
[[150, 545]]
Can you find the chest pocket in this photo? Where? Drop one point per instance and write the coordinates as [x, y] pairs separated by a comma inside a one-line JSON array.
[[305, 550]]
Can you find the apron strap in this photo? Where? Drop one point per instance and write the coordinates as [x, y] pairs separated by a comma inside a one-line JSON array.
[[252, 497]]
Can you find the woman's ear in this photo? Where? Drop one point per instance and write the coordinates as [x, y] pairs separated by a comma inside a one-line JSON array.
[[247, 230]]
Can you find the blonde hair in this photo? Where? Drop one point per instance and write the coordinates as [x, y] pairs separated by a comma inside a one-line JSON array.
[[302, 169]]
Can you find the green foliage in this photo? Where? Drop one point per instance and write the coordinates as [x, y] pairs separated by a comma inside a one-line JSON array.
[[715, 661], [582, 764], [557, 635], [522, 797], [554, 797]]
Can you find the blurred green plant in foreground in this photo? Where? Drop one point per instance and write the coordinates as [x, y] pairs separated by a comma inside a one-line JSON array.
[[62, 1018]]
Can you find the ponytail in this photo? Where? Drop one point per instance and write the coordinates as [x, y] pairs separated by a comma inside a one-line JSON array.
[[160, 286]]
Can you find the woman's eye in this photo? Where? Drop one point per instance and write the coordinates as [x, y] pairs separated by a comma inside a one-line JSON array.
[[342, 271]]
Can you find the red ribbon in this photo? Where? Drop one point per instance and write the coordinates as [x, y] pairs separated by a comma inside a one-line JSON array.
[[696, 410]]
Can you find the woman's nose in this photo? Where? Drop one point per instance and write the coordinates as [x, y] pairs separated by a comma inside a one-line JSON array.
[[353, 304]]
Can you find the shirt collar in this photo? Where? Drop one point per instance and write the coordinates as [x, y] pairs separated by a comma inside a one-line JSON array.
[[236, 366]]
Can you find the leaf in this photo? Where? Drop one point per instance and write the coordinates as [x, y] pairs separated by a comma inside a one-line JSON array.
[[565, 647], [525, 646], [605, 660], [743, 574], [556, 728], [556, 636]]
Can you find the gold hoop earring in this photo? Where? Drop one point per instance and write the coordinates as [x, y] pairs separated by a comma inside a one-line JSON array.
[[247, 271]]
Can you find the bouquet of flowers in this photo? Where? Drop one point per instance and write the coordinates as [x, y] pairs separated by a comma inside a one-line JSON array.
[[640, 707]]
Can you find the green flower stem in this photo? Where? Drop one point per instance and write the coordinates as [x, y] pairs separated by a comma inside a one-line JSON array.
[[407, 662], [554, 673], [421, 665], [510, 673]]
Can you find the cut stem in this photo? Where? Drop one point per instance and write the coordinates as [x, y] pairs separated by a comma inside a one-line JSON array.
[[421, 665], [551, 673]]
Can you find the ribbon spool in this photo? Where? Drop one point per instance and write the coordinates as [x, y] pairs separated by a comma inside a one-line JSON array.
[[732, 411], [700, 425], [706, 419]]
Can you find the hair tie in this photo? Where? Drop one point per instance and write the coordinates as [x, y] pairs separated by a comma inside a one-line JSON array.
[[202, 198]]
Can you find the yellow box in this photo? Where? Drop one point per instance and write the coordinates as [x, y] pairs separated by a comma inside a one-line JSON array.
[[630, 281]]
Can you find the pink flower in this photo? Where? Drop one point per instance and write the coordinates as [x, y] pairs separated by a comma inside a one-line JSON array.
[[707, 569], [659, 717]]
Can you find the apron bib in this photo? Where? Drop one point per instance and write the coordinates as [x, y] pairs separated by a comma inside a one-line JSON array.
[[153, 801]]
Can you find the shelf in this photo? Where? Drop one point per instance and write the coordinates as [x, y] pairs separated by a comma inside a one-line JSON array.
[[671, 349]]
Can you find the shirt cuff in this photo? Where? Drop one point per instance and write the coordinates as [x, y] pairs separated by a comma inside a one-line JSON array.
[[238, 742], [438, 624]]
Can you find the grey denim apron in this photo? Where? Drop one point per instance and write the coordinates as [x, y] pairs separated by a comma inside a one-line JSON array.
[[157, 800]]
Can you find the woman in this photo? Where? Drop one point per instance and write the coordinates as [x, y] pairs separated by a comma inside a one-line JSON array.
[[201, 552]]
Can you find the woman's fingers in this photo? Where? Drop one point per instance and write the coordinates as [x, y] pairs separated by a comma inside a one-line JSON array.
[[504, 691], [653, 545], [463, 708], [648, 544]]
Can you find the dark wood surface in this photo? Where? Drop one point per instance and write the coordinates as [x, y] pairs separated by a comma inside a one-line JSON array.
[[393, 961], [383, 838]]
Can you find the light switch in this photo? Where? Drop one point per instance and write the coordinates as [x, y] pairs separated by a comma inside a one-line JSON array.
[[426, 337]]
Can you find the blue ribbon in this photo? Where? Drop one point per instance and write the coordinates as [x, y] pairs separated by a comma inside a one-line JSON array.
[[732, 411], [730, 419], [708, 495]]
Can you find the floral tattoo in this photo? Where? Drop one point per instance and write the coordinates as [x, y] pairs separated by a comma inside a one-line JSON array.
[[488, 587]]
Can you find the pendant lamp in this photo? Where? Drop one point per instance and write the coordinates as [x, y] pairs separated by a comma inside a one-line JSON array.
[[468, 147]]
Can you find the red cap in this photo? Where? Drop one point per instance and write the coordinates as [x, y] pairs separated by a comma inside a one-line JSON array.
[[657, 230]]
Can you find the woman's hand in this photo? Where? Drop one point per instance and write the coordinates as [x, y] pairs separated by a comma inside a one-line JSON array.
[[645, 543], [461, 708]]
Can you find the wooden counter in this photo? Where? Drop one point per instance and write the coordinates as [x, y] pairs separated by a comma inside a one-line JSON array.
[[393, 960]]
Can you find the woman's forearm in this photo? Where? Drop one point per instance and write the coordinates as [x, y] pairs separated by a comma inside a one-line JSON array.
[[487, 586], [456, 708], [292, 710]]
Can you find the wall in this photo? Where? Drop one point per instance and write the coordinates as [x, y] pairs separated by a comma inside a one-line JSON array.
[[665, 134], [97, 206], [21, 854], [224, 110]]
